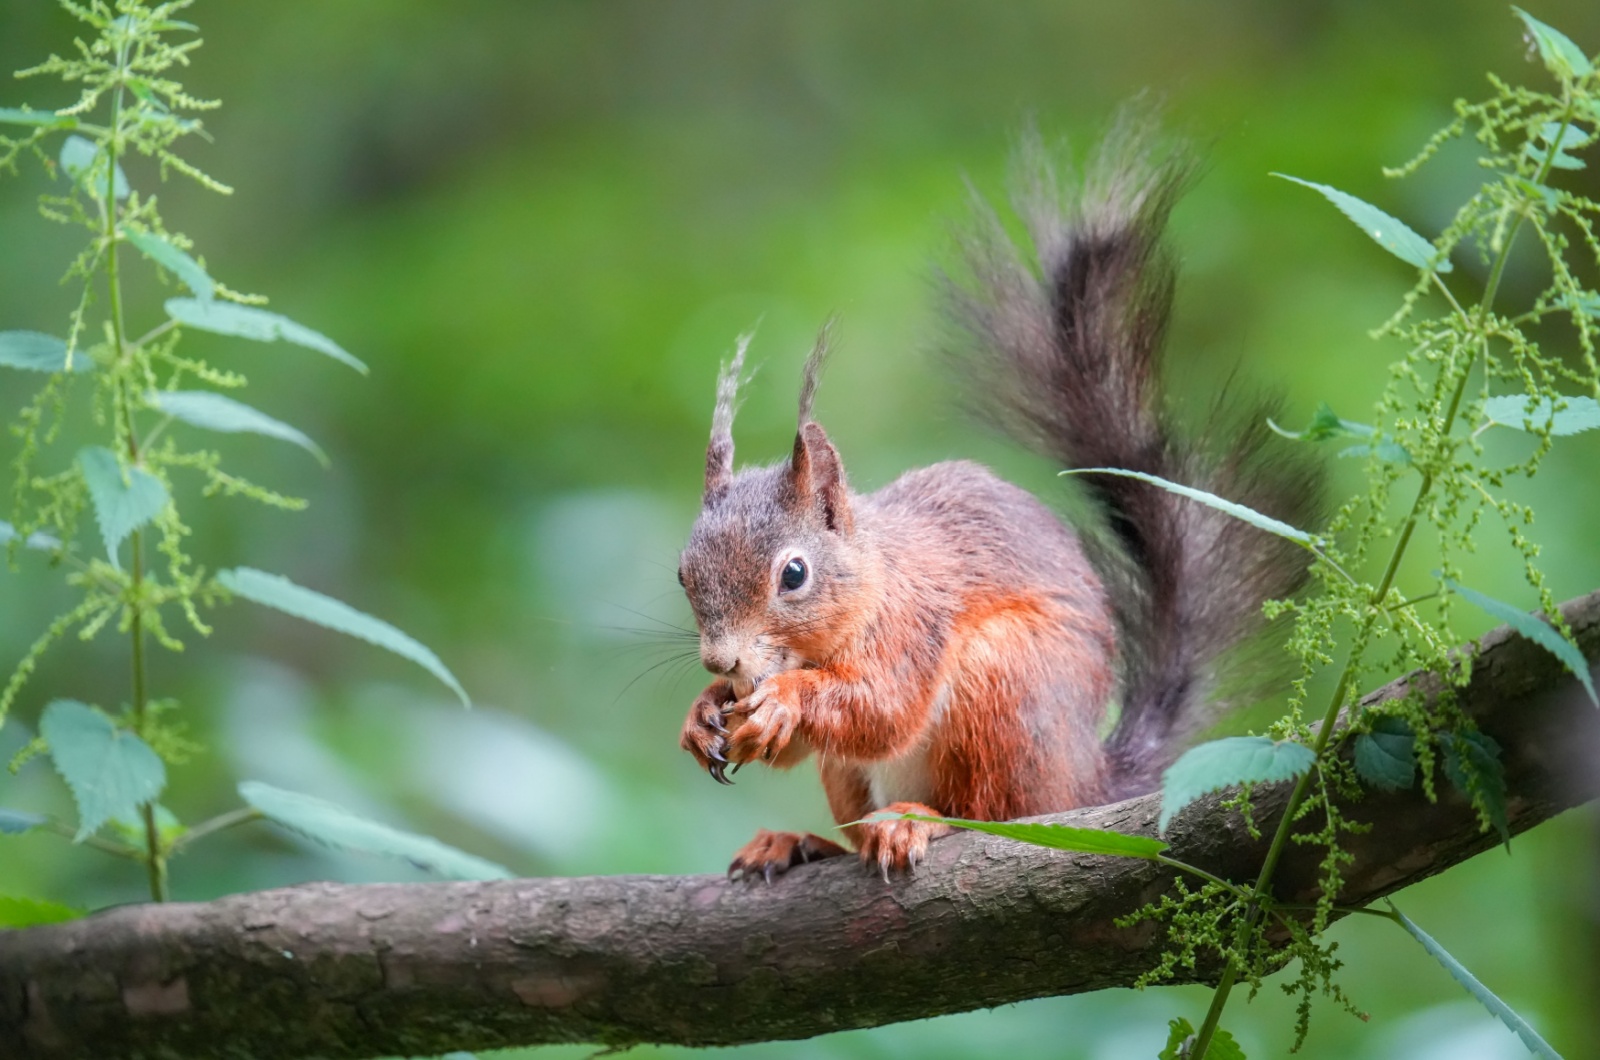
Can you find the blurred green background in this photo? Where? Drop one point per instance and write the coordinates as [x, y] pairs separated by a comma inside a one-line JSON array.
[[543, 224]]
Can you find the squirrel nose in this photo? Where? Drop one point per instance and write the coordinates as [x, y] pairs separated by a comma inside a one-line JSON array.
[[719, 658]]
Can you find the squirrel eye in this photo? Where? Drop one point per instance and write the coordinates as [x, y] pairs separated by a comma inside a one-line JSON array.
[[793, 576]]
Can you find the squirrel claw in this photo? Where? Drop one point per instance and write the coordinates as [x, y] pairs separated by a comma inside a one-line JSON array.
[[771, 854], [715, 769]]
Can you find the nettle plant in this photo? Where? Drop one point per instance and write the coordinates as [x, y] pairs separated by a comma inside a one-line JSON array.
[[1469, 367], [152, 406]]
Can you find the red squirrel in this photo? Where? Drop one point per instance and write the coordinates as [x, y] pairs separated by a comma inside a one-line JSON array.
[[946, 645]]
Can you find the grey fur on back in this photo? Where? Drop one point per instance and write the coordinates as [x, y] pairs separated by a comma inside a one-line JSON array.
[[1063, 349]]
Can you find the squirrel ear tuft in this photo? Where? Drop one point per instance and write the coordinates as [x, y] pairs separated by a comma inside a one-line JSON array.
[[818, 475], [719, 453]]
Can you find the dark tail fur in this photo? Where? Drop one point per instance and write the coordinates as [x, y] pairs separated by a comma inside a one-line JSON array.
[[1065, 350]]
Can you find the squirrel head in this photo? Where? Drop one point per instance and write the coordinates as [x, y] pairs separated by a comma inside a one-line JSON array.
[[773, 567]]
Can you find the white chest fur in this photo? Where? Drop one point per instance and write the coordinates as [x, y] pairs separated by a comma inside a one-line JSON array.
[[907, 777]]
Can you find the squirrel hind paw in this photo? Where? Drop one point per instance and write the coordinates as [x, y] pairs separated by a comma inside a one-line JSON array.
[[898, 846], [771, 854]]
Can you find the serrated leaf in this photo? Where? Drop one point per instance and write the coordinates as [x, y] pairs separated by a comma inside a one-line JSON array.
[[334, 826], [110, 771], [1180, 1040], [1564, 136], [1561, 57], [120, 506], [1179, 1031], [1472, 762], [248, 322], [1525, 413], [1558, 160], [34, 351], [18, 912], [1226, 763], [1223, 1047], [1210, 500], [41, 542], [1054, 836], [46, 118], [174, 260], [278, 592], [1385, 758], [1486, 997], [215, 412], [1535, 629], [16, 822], [80, 158], [1390, 233]]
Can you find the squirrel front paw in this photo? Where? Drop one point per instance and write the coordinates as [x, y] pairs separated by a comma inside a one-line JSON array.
[[897, 846], [705, 732], [762, 726]]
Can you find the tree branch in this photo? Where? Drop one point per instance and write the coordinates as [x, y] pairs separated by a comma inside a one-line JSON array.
[[355, 971]]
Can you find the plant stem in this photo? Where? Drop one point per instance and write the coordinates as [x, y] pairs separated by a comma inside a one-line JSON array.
[[243, 815], [154, 856], [1280, 838]]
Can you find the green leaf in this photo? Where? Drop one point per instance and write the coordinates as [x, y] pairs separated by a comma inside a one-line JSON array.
[[1388, 232], [1223, 1047], [1499, 1009], [121, 506], [1325, 424], [1385, 758], [1557, 139], [111, 771], [1561, 57], [16, 822], [248, 322], [1388, 452], [1535, 629], [1564, 136], [1054, 836], [214, 412], [47, 118], [1587, 303], [1238, 511], [337, 827], [131, 829], [37, 352], [1179, 1031], [1328, 424], [1472, 762], [18, 912], [1225, 763], [1180, 1036], [175, 261], [1558, 160], [276, 591], [1529, 414], [40, 541], [80, 158]]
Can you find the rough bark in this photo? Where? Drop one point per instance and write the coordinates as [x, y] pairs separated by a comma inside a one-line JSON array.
[[354, 971]]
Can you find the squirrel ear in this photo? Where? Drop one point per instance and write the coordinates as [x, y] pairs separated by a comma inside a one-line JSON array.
[[719, 453], [819, 478]]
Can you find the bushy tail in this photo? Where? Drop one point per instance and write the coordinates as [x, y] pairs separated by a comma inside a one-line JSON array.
[[1064, 348]]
